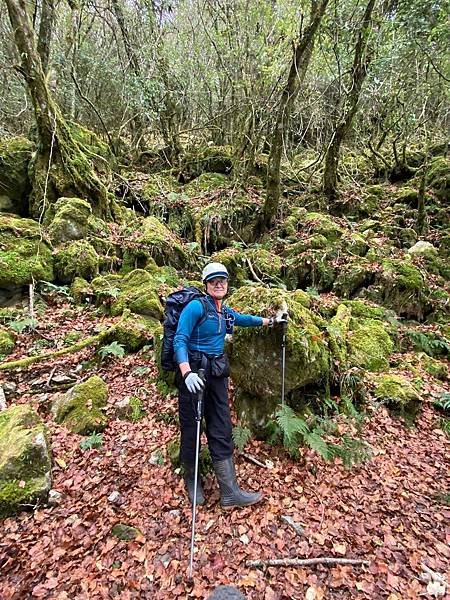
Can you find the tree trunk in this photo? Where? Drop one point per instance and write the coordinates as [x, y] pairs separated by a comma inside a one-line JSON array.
[[62, 166], [360, 67], [45, 32], [301, 56]]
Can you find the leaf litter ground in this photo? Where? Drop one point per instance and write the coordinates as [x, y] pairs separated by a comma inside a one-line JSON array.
[[386, 510]]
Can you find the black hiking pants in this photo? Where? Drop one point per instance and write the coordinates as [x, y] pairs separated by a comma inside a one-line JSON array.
[[216, 412]]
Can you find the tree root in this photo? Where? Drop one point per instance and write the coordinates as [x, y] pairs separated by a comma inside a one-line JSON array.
[[30, 360], [305, 562]]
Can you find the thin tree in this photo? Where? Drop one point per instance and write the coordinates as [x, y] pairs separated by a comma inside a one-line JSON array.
[[63, 164], [302, 51], [360, 67]]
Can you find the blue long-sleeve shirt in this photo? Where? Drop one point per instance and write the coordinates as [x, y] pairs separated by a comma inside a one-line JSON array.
[[209, 336]]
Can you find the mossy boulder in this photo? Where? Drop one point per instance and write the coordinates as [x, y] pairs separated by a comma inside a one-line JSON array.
[[438, 177], [7, 341], [369, 344], [207, 159], [255, 352], [81, 291], [155, 241], [15, 155], [206, 182], [25, 459], [234, 260], [138, 292], [407, 195], [357, 340], [81, 409], [435, 368], [76, 259], [313, 268], [130, 408], [225, 215], [355, 274], [422, 248], [322, 224], [398, 394], [160, 185], [24, 255], [73, 220], [135, 331]]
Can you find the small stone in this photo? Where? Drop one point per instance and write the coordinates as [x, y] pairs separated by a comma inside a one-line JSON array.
[[2, 399], [54, 498], [9, 388], [61, 379], [115, 498]]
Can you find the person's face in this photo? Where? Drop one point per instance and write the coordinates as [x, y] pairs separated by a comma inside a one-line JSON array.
[[217, 287]]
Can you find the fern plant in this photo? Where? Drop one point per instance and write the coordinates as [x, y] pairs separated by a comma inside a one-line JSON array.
[[428, 343], [443, 402], [113, 349], [23, 324], [93, 441], [241, 437]]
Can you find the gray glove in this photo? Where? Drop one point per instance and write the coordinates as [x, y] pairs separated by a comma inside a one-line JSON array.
[[193, 382], [278, 320]]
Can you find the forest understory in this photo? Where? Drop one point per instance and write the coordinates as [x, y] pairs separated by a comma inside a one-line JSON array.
[[389, 510]]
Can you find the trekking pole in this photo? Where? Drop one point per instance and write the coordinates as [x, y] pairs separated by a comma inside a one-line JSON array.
[[198, 418], [283, 355]]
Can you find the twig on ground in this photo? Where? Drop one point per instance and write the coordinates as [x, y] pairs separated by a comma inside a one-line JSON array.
[[254, 460], [305, 562], [50, 377]]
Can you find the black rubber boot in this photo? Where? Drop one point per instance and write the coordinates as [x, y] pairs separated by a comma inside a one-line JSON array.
[[231, 495], [189, 472]]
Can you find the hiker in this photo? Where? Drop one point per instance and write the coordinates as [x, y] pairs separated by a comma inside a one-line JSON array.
[[199, 344]]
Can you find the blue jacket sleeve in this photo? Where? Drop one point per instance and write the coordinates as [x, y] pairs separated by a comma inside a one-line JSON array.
[[242, 320], [190, 316]]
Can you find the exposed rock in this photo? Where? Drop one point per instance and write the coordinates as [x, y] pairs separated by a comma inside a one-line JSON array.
[[398, 394], [25, 462], [2, 399], [153, 240], [7, 341], [130, 408], [81, 409], [24, 256], [54, 498], [307, 353], [422, 248], [226, 592], [136, 291], [76, 259], [15, 155], [115, 497]]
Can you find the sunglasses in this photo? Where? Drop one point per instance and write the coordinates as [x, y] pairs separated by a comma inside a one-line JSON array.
[[218, 281]]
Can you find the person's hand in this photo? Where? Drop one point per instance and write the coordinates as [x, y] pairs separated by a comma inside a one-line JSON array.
[[193, 382], [278, 320]]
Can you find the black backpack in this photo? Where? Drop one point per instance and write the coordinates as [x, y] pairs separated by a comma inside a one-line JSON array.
[[174, 305]]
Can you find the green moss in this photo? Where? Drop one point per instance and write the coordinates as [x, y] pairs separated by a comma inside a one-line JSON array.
[[438, 176], [338, 329], [407, 195], [311, 269], [81, 408], [433, 367], [265, 264], [353, 275], [323, 225], [254, 348], [80, 290], [153, 239], [125, 532], [205, 183], [24, 255], [234, 260], [7, 341], [15, 155], [70, 221], [137, 291], [76, 259], [204, 159], [366, 310], [160, 184], [25, 464], [398, 394], [369, 344], [135, 331]]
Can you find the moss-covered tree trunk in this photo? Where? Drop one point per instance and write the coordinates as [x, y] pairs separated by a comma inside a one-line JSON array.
[[300, 61], [360, 67], [63, 165]]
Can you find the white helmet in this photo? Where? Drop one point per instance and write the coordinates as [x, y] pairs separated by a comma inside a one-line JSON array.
[[214, 270]]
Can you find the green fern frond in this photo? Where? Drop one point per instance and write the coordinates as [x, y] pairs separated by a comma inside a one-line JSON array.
[[290, 424], [241, 437], [319, 445]]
